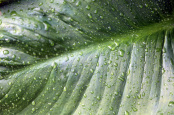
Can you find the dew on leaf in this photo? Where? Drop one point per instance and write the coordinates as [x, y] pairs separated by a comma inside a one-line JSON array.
[[33, 103], [9, 83], [33, 109], [64, 89], [91, 70], [78, 3], [85, 95], [13, 13], [5, 52], [98, 98], [140, 6], [95, 11], [146, 5], [101, 17], [88, 7], [89, 15], [126, 113], [51, 1], [40, 4], [6, 96], [171, 104], [134, 109]]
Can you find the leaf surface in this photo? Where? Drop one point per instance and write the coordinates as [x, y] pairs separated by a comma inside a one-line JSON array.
[[87, 57]]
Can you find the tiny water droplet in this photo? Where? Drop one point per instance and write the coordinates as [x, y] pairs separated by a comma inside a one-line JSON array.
[[33, 109], [109, 28], [13, 56], [146, 5], [51, 1], [95, 11], [88, 7], [64, 89], [40, 4], [134, 109], [5, 52], [101, 17], [9, 83], [98, 98], [78, 3], [91, 70], [140, 6], [6, 96], [121, 53], [85, 95], [13, 13], [126, 113], [89, 15], [121, 14], [51, 42], [33, 103], [171, 104]]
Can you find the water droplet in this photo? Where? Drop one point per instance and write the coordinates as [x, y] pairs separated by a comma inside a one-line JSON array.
[[109, 28], [95, 11], [6, 96], [51, 42], [140, 6], [88, 7], [121, 14], [126, 113], [64, 89], [134, 109], [78, 3], [101, 17], [128, 96], [85, 95], [13, 56], [40, 4], [139, 96], [92, 92], [121, 53], [89, 15], [13, 13], [33, 103], [33, 109], [171, 104], [5, 52], [98, 98], [9, 83], [20, 90], [91, 70], [51, 1], [146, 5]]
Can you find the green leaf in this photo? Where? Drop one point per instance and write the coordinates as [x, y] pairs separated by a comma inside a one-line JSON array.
[[87, 57]]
